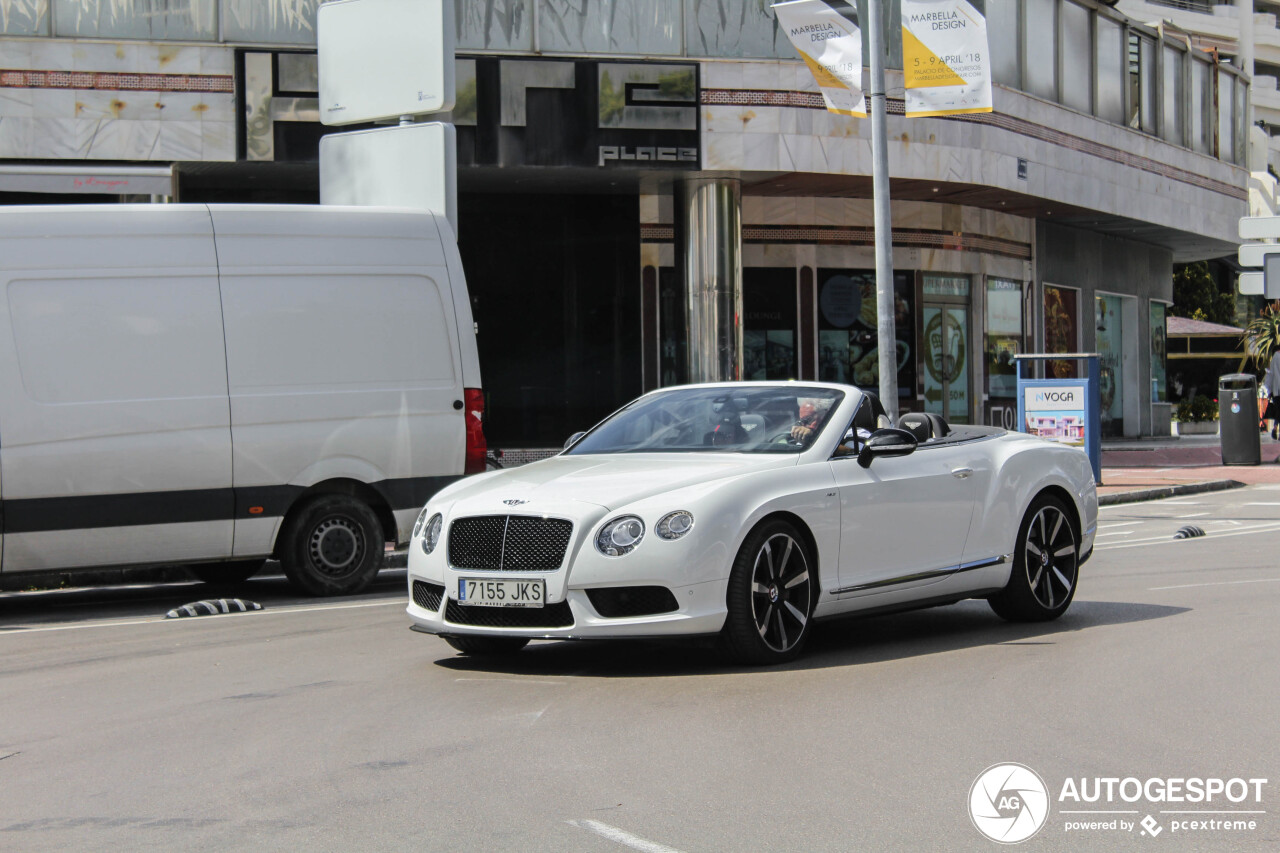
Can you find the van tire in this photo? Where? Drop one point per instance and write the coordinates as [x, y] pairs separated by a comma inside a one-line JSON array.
[[332, 546], [237, 571]]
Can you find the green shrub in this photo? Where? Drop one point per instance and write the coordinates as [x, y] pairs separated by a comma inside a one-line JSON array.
[[1200, 408]]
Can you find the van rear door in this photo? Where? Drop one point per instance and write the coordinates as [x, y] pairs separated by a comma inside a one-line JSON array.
[[113, 389]]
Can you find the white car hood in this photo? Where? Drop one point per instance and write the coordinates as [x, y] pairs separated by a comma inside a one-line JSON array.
[[605, 480]]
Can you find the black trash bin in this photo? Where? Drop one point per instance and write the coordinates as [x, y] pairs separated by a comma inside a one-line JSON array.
[[1238, 419]]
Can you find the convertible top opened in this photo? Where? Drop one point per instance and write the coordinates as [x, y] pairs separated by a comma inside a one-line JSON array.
[[746, 511]]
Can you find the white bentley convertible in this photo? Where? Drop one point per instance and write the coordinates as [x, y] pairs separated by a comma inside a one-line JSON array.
[[747, 511]]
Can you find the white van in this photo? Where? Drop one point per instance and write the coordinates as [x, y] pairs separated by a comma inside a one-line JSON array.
[[220, 384]]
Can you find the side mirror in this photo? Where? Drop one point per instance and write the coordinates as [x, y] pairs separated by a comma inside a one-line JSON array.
[[890, 441], [573, 439]]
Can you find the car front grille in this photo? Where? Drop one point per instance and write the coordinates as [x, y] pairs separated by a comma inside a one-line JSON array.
[[510, 543], [556, 615], [618, 602], [428, 595]]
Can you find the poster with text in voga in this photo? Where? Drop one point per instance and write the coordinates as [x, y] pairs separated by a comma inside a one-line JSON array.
[[947, 68], [831, 45]]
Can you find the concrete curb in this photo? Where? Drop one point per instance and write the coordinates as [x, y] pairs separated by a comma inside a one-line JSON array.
[[1168, 492]]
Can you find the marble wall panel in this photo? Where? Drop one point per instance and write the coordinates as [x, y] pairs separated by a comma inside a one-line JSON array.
[[15, 136], [218, 141]]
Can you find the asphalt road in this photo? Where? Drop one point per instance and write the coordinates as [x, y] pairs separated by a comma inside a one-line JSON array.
[[328, 725]]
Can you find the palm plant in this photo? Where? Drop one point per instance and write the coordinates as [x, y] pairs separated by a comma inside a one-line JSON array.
[[1261, 337]]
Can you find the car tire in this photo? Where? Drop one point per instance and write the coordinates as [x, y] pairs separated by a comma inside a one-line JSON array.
[[1046, 565], [237, 571], [771, 595], [332, 546], [487, 646]]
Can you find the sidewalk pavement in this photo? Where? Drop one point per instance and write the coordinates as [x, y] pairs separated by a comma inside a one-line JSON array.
[[1149, 468]]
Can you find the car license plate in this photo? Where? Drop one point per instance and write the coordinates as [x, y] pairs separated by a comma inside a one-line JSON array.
[[502, 593]]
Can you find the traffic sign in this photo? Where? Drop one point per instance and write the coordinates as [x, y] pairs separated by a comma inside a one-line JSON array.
[[1251, 254], [1260, 227]]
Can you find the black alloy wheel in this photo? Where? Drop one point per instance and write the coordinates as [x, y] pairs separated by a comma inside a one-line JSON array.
[[772, 590], [1045, 565]]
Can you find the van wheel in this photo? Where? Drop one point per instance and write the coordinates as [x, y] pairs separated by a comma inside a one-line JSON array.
[[333, 546], [234, 572]]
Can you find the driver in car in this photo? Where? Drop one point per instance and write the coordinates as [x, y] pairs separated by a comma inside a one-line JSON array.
[[810, 415]]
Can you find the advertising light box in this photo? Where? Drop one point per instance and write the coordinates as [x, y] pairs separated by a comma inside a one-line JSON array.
[[381, 59]]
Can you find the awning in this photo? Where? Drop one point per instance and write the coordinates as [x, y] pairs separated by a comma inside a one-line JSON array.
[[87, 178]]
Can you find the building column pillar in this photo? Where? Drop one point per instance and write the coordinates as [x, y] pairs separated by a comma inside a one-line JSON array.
[[709, 213]]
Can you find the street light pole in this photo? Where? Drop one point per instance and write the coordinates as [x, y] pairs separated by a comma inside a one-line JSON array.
[[886, 332]]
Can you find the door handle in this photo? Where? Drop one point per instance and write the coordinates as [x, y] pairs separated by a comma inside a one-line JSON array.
[[961, 472]]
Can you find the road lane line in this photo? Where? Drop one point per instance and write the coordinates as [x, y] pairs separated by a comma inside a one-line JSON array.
[[1191, 515], [158, 620], [1268, 527], [1117, 533], [1212, 583], [1263, 503], [621, 836]]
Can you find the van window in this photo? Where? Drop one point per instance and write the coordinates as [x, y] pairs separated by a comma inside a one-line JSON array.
[[114, 339], [327, 331]]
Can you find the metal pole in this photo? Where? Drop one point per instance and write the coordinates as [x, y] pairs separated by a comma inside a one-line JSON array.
[[888, 338]]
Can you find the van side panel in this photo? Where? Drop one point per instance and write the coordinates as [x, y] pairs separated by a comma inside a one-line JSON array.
[[461, 304], [115, 443], [343, 359]]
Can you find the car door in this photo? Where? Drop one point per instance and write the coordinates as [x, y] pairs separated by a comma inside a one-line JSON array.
[[903, 520]]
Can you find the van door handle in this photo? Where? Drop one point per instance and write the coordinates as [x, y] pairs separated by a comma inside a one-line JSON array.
[[961, 472], [457, 404]]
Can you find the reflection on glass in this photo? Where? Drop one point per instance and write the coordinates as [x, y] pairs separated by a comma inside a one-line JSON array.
[[1159, 338], [269, 21], [494, 24], [848, 337], [1041, 35], [1061, 329], [1077, 53], [638, 26], [195, 20], [1004, 335], [1110, 344], [24, 17], [1110, 70]]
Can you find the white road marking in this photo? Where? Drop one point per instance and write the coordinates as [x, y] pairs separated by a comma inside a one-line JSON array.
[[160, 620], [1119, 524], [1213, 583], [1181, 502], [1117, 533], [1267, 527], [1192, 515], [621, 836], [1263, 503]]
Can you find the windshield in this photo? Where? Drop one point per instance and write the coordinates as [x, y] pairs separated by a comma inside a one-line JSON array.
[[730, 420]]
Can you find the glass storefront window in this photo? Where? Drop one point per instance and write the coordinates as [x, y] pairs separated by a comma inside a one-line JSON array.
[[1201, 107], [1110, 70], [848, 341], [1171, 118], [749, 29], [1077, 57], [945, 345], [1159, 352], [29, 18], [1003, 336], [1108, 319], [1226, 117], [1061, 328], [1003, 17], [494, 25], [1041, 47], [769, 323], [673, 329], [269, 23], [652, 27], [193, 20]]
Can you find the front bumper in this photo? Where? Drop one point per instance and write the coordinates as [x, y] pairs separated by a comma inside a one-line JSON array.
[[700, 609]]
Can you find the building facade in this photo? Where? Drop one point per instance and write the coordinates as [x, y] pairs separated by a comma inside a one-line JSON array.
[[607, 151]]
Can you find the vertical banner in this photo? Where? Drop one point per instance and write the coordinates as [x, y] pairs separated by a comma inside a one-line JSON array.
[[831, 45], [945, 58]]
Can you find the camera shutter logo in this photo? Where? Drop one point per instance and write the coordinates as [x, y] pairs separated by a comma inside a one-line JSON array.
[[1008, 803]]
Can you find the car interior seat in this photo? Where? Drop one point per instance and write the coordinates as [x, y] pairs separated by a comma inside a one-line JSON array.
[[924, 425]]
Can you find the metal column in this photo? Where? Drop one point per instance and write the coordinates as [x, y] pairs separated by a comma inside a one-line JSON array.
[[712, 245]]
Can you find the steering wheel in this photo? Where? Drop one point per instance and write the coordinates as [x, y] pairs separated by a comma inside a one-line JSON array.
[[785, 438]]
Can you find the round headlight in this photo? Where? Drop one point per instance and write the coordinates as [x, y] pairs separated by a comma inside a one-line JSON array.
[[673, 525], [431, 534], [417, 525], [620, 536]]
